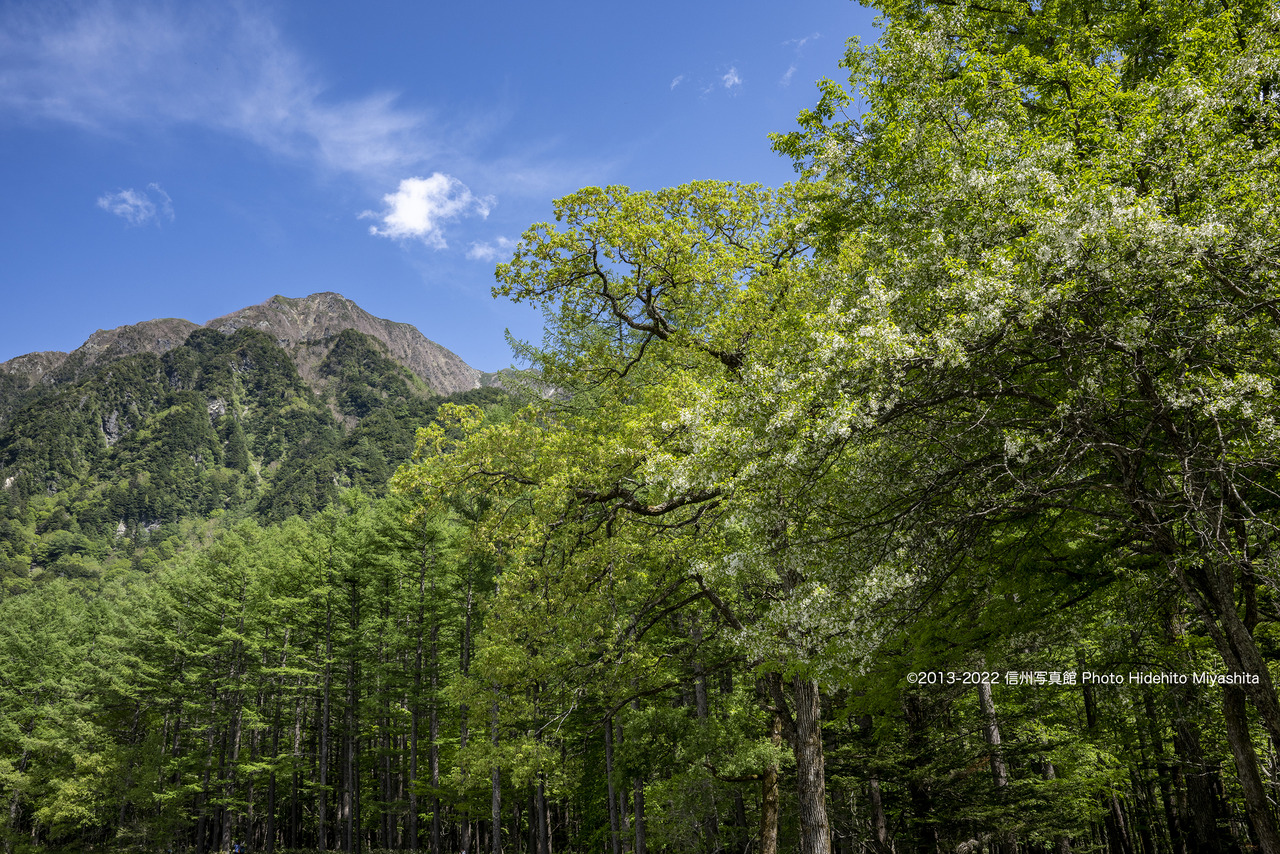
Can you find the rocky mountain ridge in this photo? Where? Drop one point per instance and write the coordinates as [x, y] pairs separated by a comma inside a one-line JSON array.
[[293, 322]]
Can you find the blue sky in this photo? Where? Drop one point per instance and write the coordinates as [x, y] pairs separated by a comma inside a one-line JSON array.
[[185, 160]]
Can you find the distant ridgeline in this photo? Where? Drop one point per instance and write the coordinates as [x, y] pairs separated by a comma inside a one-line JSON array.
[[270, 412]]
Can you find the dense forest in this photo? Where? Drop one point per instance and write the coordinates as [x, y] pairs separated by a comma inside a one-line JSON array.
[[929, 503]]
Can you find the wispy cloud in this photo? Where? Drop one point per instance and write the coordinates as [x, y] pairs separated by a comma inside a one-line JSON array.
[[677, 80], [130, 69], [138, 207], [421, 206], [484, 251], [799, 43], [797, 49], [731, 78], [108, 67]]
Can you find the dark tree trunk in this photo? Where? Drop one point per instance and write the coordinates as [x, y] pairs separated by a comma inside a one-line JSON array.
[[433, 735], [1255, 796], [497, 785], [465, 662], [544, 820], [927, 840], [615, 833], [322, 815], [641, 844], [1177, 845]]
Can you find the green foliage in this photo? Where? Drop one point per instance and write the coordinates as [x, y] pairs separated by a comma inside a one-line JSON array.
[[223, 423]]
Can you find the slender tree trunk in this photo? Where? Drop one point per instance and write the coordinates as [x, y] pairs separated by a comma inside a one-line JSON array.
[[1255, 795], [741, 830], [1177, 844], [615, 835], [1061, 845], [711, 819], [346, 815], [544, 820], [769, 794], [357, 842], [433, 730], [927, 839], [295, 806], [1008, 842], [641, 842], [14, 800], [415, 708], [624, 816], [271, 782], [465, 654], [229, 786], [879, 823], [496, 799], [322, 799]]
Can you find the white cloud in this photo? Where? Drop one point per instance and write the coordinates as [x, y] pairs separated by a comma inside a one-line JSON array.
[[136, 207], [677, 80], [731, 78], [108, 67], [129, 70], [786, 77], [421, 206], [491, 251]]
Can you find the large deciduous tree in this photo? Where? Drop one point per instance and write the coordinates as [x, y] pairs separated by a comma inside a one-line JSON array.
[[670, 439], [1057, 229]]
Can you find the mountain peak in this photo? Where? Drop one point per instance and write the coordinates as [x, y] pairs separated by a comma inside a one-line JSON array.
[[292, 321]]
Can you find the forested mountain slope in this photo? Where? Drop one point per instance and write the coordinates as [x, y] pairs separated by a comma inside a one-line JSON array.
[[150, 424]]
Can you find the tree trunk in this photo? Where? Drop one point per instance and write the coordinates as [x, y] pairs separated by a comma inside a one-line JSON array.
[[769, 794], [322, 815], [544, 821], [1007, 840], [879, 822], [465, 654], [14, 801], [1177, 844], [433, 735], [641, 847], [1255, 795], [271, 783], [927, 840], [415, 710], [1213, 593], [815, 830], [497, 784], [615, 834]]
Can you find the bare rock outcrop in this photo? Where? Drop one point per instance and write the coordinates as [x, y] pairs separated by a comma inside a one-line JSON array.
[[149, 336], [293, 322], [34, 366]]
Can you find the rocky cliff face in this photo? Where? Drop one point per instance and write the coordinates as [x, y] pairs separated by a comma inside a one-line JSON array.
[[34, 366], [294, 323], [149, 336]]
